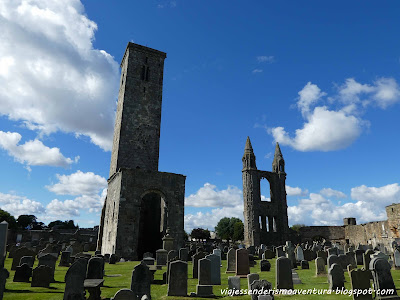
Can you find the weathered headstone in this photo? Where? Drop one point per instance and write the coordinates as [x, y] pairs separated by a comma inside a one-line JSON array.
[[242, 263], [173, 254], [204, 271], [231, 261], [29, 260], [141, 281], [261, 285], [234, 283], [361, 281], [367, 258], [18, 254], [114, 258], [124, 294], [177, 278], [42, 276], [217, 252], [161, 257], [382, 278], [195, 263], [23, 273], [268, 254], [323, 255], [149, 261], [265, 265], [215, 269], [74, 281], [320, 266], [65, 259], [4, 274], [50, 261], [335, 277], [3, 241], [95, 268], [396, 257], [283, 273], [251, 278], [359, 255], [299, 253], [183, 254], [304, 265], [333, 259], [279, 251]]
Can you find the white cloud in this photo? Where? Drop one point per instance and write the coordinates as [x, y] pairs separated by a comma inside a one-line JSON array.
[[296, 191], [19, 205], [78, 183], [51, 77], [387, 92], [257, 71], [210, 196], [33, 152], [324, 130], [264, 58], [350, 91], [369, 205], [328, 192], [309, 95]]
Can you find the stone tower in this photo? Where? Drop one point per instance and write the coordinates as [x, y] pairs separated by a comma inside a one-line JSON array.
[[265, 222], [141, 202]]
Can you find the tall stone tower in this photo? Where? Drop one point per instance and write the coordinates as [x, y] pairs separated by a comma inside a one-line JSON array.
[[265, 222], [141, 202]]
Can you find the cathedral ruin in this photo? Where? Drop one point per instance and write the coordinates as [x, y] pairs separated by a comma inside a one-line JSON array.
[[265, 220], [141, 202]]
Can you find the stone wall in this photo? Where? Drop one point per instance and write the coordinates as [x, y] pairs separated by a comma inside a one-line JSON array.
[[332, 233]]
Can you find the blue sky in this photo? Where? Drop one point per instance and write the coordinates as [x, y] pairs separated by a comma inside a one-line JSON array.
[[320, 78]]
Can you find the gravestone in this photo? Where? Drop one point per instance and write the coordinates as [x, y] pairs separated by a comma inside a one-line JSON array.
[[279, 251], [124, 294], [343, 261], [268, 254], [42, 276], [3, 241], [367, 258], [333, 259], [217, 252], [261, 285], [304, 265], [283, 273], [242, 263], [4, 274], [48, 260], [195, 263], [234, 282], [382, 278], [359, 255], [323, 255], [177, 278], [65, 259], [396, 257], [251, 278], [351, 258], [320, 266], [23, 273], [172, 254], [299, 253], [183, 254], [146, 254], [265, 265], [149, 261], [231, 261], [141, 281], [29, 260], [361, 280], [335, 277], [333, 251], [114, 258], [95, 268], [161, 257], [74, 281], [204, 271], [215, 269], [18, 254]]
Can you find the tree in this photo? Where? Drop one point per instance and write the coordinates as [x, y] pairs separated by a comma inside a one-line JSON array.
[[200, 234], [26, 221], [5, 216], [63, 224], [296, 227], [238, 231], [226, 227]]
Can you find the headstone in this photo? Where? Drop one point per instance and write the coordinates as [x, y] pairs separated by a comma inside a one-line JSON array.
[[268, 254], [242, 263], [234, 283], [333, 259], [279, 251], [323, 255], [359, 255], [265, 265], [161, 257], [204, 271], [283, 273], [320, 266], [351, 258], [367, 258], [251, 278], [218, 253], [124, 294], [396, 257], [114, 258], [23, 273], [299, 254], [74, 281], [335, 277], [304, 265], [177, 278], [42, 276], [382, 278], [149, 261], [231, 261], [195, 263], [146, 254], [259, 285], [343, 261], [50, 261], [215, 269], [172, 254], [361, 281], [4, 274], [141, 281], [183, 254], [18, 254], [95, 268], [333, 251], [29, 260], [65, 259], [3, 241]]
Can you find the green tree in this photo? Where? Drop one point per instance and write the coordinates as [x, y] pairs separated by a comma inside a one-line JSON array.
[[226, 227], [238, 231], [200, 234], [5, 216], [69, 224], [296, 227], [26, 221]]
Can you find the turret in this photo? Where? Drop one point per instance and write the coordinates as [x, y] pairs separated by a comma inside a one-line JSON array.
[[249, 159], [278, 164]]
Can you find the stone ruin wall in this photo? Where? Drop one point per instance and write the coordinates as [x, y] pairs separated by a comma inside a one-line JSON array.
[[332, 233]]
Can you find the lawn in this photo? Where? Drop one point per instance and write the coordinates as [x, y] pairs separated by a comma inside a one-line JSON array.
[[118, 276]]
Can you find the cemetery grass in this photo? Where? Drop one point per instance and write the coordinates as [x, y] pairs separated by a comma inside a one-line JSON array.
[[118, 276]]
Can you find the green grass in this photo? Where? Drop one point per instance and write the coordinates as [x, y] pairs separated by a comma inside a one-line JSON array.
[[114, 282]]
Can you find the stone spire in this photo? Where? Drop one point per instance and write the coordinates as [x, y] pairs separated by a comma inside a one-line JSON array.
[[249, 159], [278, 164]]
